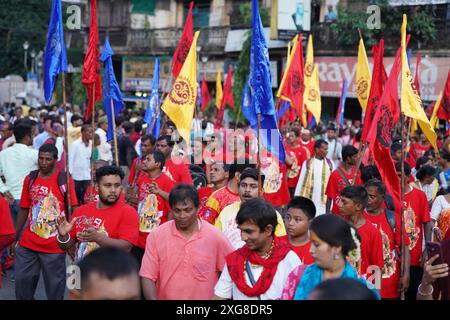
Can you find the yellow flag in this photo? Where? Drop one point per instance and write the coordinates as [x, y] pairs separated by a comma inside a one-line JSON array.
[[180, 102], [434, 119], [414, 127], [411, 104], [363, 77], [312, 95], [219, 92], [291, 54], [308, 71]]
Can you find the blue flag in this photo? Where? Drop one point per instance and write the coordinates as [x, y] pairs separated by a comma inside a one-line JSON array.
[[55, 56], [199, 93], [261, 88], [285, 105], [247, 107], [408, 55], [313, 122], [341, 109], [111, 90], [153, 103]]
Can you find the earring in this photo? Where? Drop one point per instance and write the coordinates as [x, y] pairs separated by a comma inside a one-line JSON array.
[[337, 256]]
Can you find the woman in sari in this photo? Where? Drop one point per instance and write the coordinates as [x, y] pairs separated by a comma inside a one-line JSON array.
[[333, 242]]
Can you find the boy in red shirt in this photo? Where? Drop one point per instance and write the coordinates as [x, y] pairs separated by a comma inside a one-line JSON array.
[[153, 207], [353, 202], [389, 224], [416, 217], [219, 173], [43, 202], [108, 222], [7, 233], [342, 177], [295, 156], [300, 212]]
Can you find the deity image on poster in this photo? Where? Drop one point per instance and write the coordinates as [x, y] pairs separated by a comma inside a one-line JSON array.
[[273, 176], [85, 248], [410, 226], [44, 215], [149, 216]]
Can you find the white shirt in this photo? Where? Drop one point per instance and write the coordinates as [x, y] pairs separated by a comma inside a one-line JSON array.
[[104, 149], [16, 162], [9, 142], [317, 188], [80, 160], [334, 149], [226, 288], [439, 204]]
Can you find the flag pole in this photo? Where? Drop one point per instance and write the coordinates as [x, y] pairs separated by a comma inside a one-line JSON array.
[[161, 101], [66, 148], [402, 196], [258, 157], [116, 152], [361, 152], [238, 117], [91, 193]]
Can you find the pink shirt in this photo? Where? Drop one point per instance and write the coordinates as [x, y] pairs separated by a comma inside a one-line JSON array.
[[185, 269]]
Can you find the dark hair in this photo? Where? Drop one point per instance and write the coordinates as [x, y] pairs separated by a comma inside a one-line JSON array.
[[335, 231], [183, 192], [430, 152], [108, 262], [148, 137], [108, 171], [85, 127], [21, 131], [342, 289], [348, 151], [239, 165], [370, 172], [331, 127], [319, 143], [421, 161], [425, 171], [138, 126], [395, 147], [407, 168], [128, 127], [296, 131], [251, 173], [120, 119], [357, 194], [159, 157], [305, 204], [50, 148], [259, 212], [168, 140], [75, 117], [381, 188]]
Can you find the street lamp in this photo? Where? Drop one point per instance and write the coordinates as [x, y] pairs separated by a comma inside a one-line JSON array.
[[33, 56], [25, 48]]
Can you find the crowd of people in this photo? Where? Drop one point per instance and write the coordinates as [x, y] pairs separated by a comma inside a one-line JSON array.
[[210, 219]]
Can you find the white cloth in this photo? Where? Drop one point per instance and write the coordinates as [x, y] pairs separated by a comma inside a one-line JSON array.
[[137, 147], [317, 188], [16, 162], [9, 142], [439, 204], [334, 150], [225, 287], [104, 149], [80, 160], [60, 146]]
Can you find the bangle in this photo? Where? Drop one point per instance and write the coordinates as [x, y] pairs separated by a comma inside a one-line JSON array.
[[62, 242], [419, 291]]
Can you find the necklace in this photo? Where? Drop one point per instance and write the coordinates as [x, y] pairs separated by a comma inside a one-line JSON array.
[[265, 256]]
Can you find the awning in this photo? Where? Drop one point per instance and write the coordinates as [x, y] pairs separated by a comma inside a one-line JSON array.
[[236, 38], [416, 2]]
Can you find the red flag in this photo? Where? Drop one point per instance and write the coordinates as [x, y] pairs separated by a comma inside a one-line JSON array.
[[379, 137], [444, 109], [294, 85], [206, 97], [227, 97], [91, 66], [376, 88], [184, 45], [416, 76]]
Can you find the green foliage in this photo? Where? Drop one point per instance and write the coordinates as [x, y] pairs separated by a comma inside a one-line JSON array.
[[245, 14]]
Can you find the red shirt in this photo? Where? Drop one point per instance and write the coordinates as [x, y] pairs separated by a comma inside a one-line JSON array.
[[216, 202], [135, 137], [152, 208], [299, 155], [204, 193], [119, 221], [133, 171], [391, 268], [371, 247], [45, 203], [416, 214], [418, 150], [336, 184], [310, 146], [177, 172], [6, 223]]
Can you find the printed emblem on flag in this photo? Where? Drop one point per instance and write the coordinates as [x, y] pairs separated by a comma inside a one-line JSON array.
[[297, 83], [384, 126], [361, 88], [183, 52], [182, 93], [313, 94], [308, 69]]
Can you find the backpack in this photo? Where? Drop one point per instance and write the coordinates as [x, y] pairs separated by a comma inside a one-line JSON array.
[[62, 184]]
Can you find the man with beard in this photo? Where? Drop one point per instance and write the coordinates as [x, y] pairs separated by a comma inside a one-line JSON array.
[[108, 222]]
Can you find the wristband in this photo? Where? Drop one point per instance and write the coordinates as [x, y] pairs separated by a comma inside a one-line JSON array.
[[62, 242], [419, 291]]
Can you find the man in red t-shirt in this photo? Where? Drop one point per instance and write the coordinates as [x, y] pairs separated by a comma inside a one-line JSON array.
[[108, 222], [43, 202], [389, 224], [342, 177], [352, 204], [416, 217], [419, 148], [147, 144], [307, 142], [7, 232], [300, 212], [219, 173], [153, 206], [295, 156], [175, 168]]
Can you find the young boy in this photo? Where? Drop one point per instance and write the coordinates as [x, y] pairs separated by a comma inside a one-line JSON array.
[[300, 212]]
